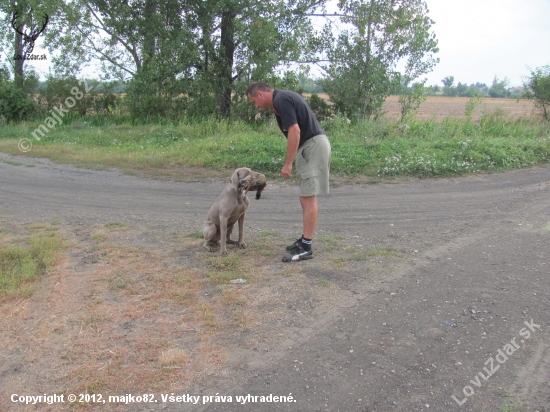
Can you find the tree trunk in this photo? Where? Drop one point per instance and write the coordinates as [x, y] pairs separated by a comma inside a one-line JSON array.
[[19, 62], [150, 40], [227, 52]]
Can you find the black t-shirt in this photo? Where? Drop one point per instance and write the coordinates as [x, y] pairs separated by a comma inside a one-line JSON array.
[[291, 108]]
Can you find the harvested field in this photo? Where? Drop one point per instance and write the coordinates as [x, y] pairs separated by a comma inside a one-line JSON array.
[[440, 107]]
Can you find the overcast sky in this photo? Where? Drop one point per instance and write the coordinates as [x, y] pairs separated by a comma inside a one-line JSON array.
[[479, 39]]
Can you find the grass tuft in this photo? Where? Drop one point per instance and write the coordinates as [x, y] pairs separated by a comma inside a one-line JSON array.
[[25, 260]]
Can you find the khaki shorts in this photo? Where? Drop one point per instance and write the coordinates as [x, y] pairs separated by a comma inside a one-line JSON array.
[[313, 166]]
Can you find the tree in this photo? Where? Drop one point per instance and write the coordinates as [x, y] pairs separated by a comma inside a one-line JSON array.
[[195, 49], [448, 88], [363, 60], [24, 22], [461, 89], [537, 88], [448, 81], [499, 88]]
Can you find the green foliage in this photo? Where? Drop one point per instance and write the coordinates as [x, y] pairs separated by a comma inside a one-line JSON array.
[[319, 106], [24, 263], [537, 88], [183, 57], [89, 96], [499, 88], [471, 106], [372, 148], [15, 105], [411, 99], [363, 60], [463, 90], [448, 81], [309, 85]]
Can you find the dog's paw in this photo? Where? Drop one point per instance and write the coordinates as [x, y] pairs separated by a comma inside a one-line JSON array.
[[242, 245], [223, 253]]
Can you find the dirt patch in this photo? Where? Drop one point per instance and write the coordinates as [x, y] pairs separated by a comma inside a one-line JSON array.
[[123, 316], [380, 319]]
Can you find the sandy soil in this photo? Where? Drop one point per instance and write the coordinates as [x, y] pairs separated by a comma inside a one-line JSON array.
[[415, 286]]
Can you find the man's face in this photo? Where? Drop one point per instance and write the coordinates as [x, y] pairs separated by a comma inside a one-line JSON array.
[[261, 100]]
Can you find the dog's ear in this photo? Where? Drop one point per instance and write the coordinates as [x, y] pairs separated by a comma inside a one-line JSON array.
[[234, 181]]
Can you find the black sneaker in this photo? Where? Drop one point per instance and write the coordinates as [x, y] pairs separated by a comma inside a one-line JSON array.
[[294, 246], [299, 253]]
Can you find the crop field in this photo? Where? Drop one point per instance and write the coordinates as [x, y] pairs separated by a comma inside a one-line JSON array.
[[441, 107]]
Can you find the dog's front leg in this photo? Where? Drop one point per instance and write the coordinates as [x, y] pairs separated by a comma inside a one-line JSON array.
[[228, 236], [242, 245], [223, 234]]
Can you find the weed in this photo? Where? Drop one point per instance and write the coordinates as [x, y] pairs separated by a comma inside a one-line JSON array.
[[197, 234], [26, 260], [330, 244], [207, 314], [360, 257], [115, 225], [12, 163], [118, 282], [387, 251], [99, 236], [270, 233]]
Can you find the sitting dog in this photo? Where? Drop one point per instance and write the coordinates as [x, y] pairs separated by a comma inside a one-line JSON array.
[[229, 208]]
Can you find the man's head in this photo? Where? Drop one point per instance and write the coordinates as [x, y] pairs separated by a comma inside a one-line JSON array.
[[261, 95]]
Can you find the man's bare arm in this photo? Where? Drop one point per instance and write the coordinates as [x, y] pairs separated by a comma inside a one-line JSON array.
[[292, 148]]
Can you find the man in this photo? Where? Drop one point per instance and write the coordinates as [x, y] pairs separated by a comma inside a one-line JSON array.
[[308, 144]]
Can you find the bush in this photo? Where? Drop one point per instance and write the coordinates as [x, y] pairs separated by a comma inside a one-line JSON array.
[[15, 105], [320, 107], [538, 89]]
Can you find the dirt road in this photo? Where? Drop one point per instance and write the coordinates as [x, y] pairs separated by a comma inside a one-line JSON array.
[[423, 294]]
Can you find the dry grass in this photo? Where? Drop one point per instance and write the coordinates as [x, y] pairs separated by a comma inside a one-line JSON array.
[[119, 318]]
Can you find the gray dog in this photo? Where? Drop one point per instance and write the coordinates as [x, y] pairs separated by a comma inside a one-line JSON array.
[[229, 208]]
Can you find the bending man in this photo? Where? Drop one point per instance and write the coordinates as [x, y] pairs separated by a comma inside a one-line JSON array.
[[308, 144]]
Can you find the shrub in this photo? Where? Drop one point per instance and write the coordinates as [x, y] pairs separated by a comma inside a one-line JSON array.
[[320, 107], [538, 89], [15, 105]]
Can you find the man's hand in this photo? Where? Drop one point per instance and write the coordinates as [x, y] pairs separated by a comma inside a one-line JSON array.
[[285, 171]]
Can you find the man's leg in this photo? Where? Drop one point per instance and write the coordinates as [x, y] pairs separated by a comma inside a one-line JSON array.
[[310, 212], [301, 249]]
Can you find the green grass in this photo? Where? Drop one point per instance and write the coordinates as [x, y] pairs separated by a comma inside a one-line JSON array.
[[222, 269], [373, 148], [196, 234], [25, 260], [9, 162], [388, 251]]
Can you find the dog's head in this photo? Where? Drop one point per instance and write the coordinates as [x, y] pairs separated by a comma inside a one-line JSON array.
[[244, 179]]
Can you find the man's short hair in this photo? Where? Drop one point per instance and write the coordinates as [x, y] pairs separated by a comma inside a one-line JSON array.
[[257, 86]]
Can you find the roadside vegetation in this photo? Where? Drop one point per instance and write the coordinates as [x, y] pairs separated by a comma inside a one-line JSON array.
[[373, 148], [24, 258]]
